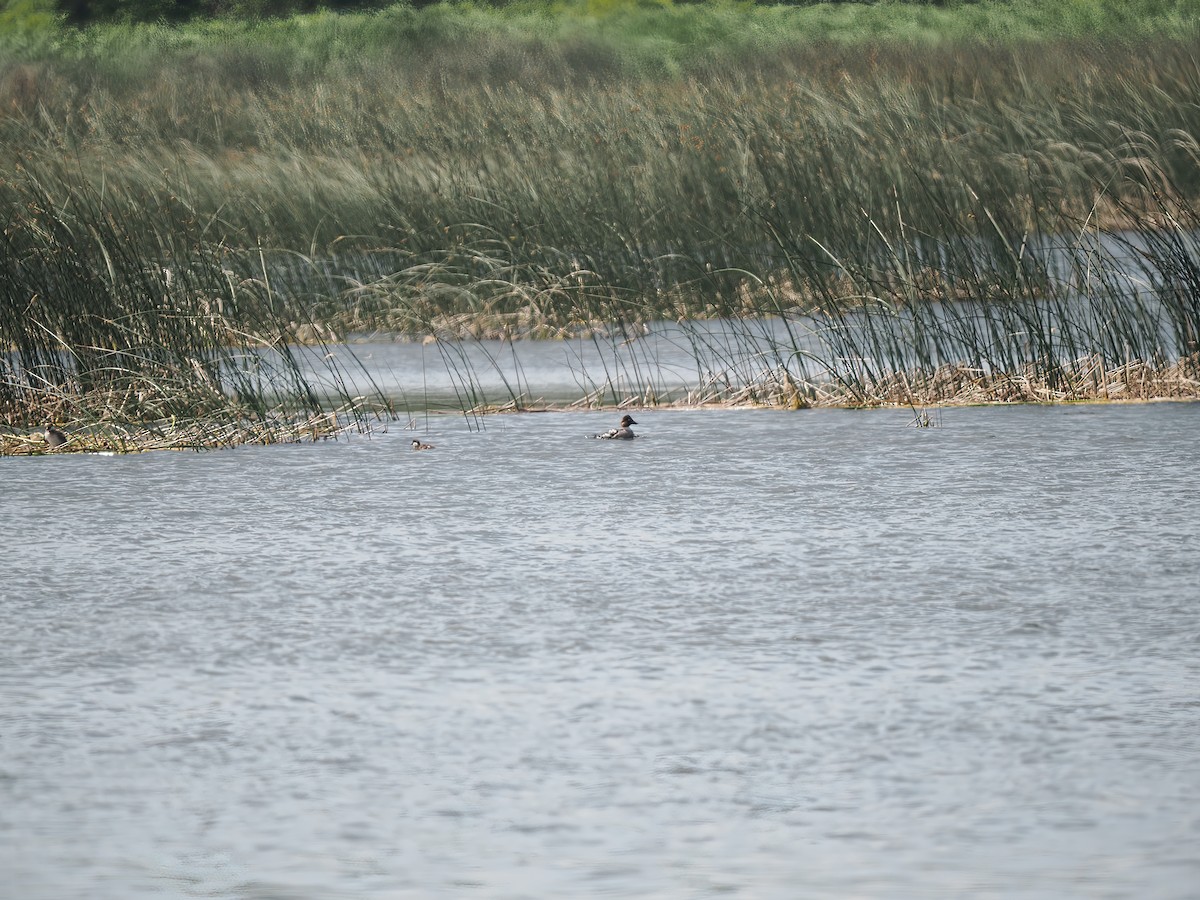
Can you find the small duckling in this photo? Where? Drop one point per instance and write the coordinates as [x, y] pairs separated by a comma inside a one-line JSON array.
[[622, 433], [55, 436], [417, 445]]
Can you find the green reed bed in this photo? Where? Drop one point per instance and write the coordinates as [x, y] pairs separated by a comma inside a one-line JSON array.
[[928, 218], [127, 351], [646, 185]]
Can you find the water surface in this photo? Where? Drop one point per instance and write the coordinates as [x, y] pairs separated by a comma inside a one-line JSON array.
[[753, 653]]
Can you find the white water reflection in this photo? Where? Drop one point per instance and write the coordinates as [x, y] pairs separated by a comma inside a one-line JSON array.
[[752, 653]]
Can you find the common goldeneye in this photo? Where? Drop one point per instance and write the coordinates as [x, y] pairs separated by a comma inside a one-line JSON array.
[[623, 432]]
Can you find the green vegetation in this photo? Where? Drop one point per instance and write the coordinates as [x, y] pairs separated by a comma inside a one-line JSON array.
[[972, 202], [132, 352]]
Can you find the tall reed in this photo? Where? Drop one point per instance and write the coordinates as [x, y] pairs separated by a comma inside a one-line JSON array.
[[130, 350], [958, 205]]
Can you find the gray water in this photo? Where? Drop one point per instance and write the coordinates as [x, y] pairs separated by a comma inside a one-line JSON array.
[[752, 654]]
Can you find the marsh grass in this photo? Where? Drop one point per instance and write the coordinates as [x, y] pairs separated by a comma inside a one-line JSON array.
[[923, 221], [197, 434], [131, 351]]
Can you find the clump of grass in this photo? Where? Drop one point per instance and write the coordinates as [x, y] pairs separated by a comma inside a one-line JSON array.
[[132, 352], [197, 434]]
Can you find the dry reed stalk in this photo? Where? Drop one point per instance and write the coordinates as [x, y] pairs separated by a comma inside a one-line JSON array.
[[950, 385], [168, 435]]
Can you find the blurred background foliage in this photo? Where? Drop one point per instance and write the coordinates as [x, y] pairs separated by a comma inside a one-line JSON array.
[[41, 13]]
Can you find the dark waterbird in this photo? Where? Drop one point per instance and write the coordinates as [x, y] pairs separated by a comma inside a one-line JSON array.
[[55, 436], [622, 432], [417, 445]]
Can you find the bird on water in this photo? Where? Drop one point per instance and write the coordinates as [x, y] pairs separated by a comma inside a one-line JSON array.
[[417, 445], [622, 432], [55, 436]]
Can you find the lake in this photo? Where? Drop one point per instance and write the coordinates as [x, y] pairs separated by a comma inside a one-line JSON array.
[[753, 653]]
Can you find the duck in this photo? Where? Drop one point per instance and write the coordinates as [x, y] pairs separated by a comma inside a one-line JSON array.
[[621, 432], [417, 445], [55, 436]]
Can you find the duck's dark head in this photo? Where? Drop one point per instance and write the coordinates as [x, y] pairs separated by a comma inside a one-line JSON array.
[[626, 421]]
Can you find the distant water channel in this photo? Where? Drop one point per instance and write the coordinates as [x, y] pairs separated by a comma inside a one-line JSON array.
[[754, 654], [665, 361]]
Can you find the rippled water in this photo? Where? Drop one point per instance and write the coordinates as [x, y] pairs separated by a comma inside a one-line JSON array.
[[754, 654]]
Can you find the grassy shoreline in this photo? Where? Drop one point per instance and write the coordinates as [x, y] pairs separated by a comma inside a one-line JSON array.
[[464, 172], [655, 38]]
